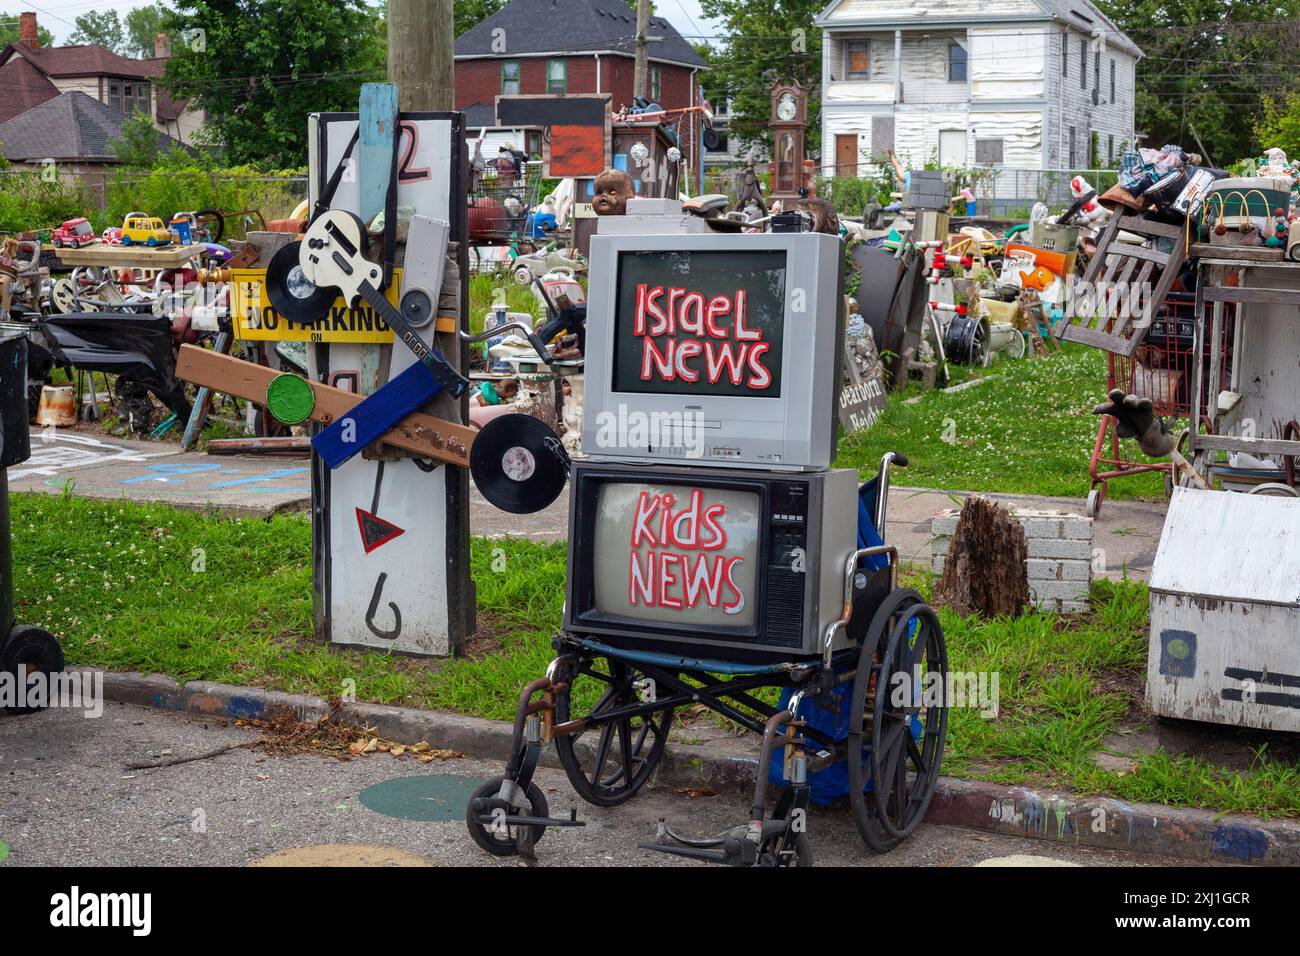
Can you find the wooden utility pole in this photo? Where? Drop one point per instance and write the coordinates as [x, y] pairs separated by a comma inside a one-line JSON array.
[[420, 39], [640, 75]]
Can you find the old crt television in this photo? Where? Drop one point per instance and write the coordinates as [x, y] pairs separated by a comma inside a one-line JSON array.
[[714, 349], [708, 562]]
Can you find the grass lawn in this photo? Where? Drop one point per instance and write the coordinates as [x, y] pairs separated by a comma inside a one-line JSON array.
[[1028, 430], [194, 596]]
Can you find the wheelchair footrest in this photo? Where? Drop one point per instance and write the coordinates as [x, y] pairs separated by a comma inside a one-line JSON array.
[[485, 807]]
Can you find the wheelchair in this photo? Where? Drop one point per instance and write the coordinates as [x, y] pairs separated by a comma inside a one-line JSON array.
[[853, 722]]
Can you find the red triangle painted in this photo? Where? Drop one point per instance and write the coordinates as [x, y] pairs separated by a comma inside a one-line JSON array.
[[375, 531]]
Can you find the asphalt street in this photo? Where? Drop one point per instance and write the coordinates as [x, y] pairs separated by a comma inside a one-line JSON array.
[[66, 799]]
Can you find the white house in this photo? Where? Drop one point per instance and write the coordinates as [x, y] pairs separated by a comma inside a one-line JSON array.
[[1015, 84]]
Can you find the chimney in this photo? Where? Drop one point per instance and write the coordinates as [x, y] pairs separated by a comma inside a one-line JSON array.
[[162, 46], [27, 32]]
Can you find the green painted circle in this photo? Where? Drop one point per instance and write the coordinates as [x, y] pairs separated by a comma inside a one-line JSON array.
[[1178, 648], [435, 798], [290, 399], [4, 850]]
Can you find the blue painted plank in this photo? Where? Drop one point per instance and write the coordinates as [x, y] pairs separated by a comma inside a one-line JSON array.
[[378, 116], [375, 414]]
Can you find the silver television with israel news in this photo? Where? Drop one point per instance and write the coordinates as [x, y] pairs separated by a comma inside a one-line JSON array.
[[714, 349]]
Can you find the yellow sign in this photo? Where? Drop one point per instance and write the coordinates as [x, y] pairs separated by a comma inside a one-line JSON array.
[[256, 319]]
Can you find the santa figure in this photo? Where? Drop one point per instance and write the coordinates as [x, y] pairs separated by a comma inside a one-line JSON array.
[[1092, 215]]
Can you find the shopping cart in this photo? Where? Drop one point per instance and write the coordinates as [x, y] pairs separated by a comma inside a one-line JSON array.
[[501, 199], [1161, 369]]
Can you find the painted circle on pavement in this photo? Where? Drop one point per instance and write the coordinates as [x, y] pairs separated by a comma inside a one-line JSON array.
[[290, 398], [439, 798], [341, 854]]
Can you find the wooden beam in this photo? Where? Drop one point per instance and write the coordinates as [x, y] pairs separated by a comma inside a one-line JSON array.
[[1237, 294], [1253, 446], [419, 433]]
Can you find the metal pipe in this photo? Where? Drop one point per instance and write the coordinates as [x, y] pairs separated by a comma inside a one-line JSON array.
[[764, 757]]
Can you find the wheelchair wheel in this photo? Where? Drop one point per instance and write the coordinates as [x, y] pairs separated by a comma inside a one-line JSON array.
[[625, 752], [503, 844], [798, 852], [908, 732], [28, 651], [886, 815]]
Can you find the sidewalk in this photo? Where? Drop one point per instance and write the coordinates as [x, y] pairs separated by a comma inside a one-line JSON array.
[[94, 466]]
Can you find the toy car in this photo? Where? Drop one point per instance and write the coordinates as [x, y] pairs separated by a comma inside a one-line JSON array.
[[144, 230], [73, 234], [112, 236]]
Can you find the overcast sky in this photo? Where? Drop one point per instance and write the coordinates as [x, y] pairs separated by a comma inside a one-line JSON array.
[[58, 16]]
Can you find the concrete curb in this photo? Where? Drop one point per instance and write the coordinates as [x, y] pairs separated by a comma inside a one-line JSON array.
[[1195, 835]]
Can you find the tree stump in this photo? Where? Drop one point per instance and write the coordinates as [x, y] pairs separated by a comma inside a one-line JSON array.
[[985, 571]]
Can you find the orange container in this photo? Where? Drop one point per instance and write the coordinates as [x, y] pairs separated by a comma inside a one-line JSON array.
[[1060, 263]]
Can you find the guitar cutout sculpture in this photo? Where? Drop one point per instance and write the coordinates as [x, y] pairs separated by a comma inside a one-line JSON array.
[[333, 255], [516, 461]]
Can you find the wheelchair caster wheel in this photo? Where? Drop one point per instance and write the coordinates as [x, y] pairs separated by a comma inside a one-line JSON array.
[[798, 852], [30, 650], [501, 839]]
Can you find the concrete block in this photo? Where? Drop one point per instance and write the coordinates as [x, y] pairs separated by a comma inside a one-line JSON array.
[[1059, 548], [1045, 569], [1040, 591]]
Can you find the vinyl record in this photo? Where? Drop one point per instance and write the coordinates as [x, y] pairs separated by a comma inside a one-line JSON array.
[[292, 294], [518, 464]]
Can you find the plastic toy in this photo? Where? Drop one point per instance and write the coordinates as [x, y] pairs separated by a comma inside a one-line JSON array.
[[139, 229], [73, 234]]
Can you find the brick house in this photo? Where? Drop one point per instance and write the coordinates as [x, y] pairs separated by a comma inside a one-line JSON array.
[[31, 74], [574, 46]]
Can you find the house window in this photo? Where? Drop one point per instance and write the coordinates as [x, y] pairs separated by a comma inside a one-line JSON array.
[[115, 95], [142, 98], [510, 78], [1096, 70], [1083, 63], [1072, 157], [656, 82], [956, 63], [1110, 149], [1112, 81], [1065, 53], [857, 60], [988, 152], [557, 77]]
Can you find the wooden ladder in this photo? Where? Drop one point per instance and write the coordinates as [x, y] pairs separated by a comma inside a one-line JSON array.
[[1114, 266]]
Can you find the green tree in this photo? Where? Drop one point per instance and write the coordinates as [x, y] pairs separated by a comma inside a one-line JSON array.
[[102, 27], [1280, 125], [470, 13], [143, 24], [259, 67], [765, 42], [1206, 64], [138, 143], [9, 32]]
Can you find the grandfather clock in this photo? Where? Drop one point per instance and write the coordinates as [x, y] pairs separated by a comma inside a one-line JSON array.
[[789, 124]]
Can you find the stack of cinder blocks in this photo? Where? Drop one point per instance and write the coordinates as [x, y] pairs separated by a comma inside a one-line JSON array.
[[1060, 555]]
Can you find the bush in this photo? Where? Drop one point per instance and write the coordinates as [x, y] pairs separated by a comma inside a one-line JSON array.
[[29, 202], [170, 188], [850, 196]]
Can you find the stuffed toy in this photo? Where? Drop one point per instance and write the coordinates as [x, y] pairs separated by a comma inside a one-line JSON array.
[[1137, 419]]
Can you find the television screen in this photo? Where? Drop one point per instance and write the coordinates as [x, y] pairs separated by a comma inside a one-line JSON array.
[[677, 554], [700, 323]]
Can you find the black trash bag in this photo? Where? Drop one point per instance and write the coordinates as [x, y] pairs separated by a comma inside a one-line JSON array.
[[136, 348]]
